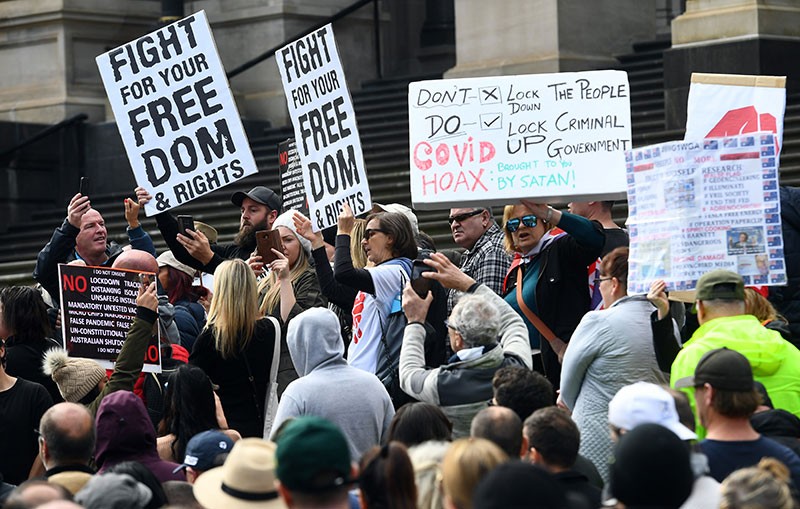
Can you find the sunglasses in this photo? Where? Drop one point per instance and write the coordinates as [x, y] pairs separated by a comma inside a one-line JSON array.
[[513, 225], [463, 217], [369, 232]]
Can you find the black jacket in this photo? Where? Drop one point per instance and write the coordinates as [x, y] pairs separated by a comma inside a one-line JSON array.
[[786, 299]]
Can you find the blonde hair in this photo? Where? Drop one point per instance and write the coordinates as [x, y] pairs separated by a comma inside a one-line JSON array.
[[466, 462], [764, 486], [234, 307], [272, 297], [508, 239], [357, 253], [755, 304]]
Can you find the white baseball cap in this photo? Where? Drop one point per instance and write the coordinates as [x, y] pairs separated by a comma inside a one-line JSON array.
[[644, 402]]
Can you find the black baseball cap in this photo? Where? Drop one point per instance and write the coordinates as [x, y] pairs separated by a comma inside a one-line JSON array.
[[722, 368], [260, 194]]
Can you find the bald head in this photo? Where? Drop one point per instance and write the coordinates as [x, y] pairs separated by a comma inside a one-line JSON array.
[[135, 259], [68, 435], [502, 426], [35, 493]]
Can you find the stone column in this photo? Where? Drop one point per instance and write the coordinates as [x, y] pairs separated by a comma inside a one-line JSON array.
[[760, 37], [540, 36]]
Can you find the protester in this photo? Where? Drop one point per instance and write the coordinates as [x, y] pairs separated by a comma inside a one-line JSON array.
[[386, 478], [25, 327], [289, 288], [236, 348], [600, 211], [609, 349], [145, 476], [485, 259], [548, 276], [764, 486], [190, 409], [500, 426], [776, 423], [418, 422], [84, 381], [260, 206], [83, 236], [426, 459], [125, 433], [485, 335], [726, 399], [34, 493], [644, 402], [516, 484], [325, 386], [22, 404], [314, 467], [67, 445], [466, 462], [117, 491], [389, 245], [204, 451], [177, 279], [720, 311], [651, 468], [522, 390], [757, 305], [553, 440]]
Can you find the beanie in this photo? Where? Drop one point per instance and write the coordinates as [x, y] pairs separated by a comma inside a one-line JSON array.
[[286, 221], [75, 377]]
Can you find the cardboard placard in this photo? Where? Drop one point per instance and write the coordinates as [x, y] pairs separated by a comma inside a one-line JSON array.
[[697, 206], [293, 190], [494, 140], [732, 104], [324, 127], [175, 113], [99, 306]]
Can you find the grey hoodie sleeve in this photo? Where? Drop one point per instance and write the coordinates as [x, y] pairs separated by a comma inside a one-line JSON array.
[[288, 408]]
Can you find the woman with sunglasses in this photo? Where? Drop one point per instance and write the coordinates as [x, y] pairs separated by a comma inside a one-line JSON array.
[[548, 279], [609, 349], [389, 245]]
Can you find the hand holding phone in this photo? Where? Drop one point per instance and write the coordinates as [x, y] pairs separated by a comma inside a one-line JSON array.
[[420, 284], [185, 223], [268, 240], [84, 187]]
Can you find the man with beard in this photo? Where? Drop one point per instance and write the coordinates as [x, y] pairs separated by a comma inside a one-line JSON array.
[[260, 206]]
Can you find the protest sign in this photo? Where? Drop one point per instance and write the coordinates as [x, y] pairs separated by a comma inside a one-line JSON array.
[[731, 104], [99, 305], [175, 113], [493, 140], [324, 127], [293, 190], [702, 205]]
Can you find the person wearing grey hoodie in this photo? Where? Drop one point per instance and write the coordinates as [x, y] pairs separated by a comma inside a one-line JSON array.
[[328, 387]]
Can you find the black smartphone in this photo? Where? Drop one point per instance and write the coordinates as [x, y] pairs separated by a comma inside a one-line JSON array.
[[185, 223], [84, 187], [420, 284]]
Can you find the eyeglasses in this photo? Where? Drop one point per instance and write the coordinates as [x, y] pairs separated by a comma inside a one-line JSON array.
[[513, 225], [601, 279], [463, 217], [451, 326], [369, 232]]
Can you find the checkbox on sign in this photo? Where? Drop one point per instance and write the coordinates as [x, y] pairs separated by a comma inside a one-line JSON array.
[[490, 95], [491, 121]]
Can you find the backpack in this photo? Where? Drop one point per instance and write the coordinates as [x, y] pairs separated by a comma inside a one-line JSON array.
[[388, 369]]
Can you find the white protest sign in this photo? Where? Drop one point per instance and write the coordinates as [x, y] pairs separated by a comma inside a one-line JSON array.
[[702, 205], [324, 127], [175, 113], [490, 141], [730, 104], [99, 305]]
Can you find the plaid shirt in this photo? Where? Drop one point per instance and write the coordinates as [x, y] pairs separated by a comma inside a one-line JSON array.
[[487, 263]]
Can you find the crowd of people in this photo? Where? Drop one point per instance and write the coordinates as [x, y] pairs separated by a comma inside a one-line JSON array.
[[361, 368]]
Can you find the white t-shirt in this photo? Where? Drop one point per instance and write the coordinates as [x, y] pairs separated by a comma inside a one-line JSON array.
[[372, 311]]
